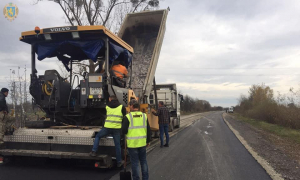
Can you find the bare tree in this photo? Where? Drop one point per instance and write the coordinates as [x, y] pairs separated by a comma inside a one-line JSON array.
[[18, 95], [101, 12], [109, 13]]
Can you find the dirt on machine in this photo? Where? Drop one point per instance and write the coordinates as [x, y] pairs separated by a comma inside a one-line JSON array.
[[75, 106]]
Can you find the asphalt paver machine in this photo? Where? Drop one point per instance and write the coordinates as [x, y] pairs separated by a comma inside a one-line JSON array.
[[75, 106], [73, 114]]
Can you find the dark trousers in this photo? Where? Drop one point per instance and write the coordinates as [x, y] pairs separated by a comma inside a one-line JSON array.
[[164, 128], [116, 134], [138, 156]]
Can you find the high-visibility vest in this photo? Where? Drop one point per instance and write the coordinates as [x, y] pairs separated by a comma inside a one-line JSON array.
[[137, 130], [114, 117]]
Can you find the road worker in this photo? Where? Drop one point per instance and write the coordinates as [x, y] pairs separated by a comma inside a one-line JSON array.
[[112, 125], [138, 135], [3, 112], [164, 121], [120, 72]]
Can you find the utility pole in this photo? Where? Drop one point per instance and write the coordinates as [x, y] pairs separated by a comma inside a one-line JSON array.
[[21, 98], [14, 95], [13, 85], [25, 87]]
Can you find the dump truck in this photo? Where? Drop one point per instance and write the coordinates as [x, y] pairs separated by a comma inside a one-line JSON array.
[[168, 94], [145, 32], [75, 106]]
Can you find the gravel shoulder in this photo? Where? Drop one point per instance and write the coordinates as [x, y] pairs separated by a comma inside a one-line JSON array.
[[282, 154]]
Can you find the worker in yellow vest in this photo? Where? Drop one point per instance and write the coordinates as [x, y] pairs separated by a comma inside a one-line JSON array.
[[138, 135], [113, 123]]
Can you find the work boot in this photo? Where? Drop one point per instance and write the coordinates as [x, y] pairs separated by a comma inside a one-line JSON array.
[[166, 145], [93, 154], [120, 164]]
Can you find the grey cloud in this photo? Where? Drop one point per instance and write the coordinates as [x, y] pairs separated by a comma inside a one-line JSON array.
[[232, 8], [233, 35], [283, 41]]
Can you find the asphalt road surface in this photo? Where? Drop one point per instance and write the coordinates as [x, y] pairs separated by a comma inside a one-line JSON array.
[[205, 150]]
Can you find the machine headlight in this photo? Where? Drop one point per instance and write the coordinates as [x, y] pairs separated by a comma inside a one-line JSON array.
[[75, 35], [47, 37]]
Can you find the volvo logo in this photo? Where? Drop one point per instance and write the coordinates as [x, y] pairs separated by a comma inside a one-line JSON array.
[[60, 29]]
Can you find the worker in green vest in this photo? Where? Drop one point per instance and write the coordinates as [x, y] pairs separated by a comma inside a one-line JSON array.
[[112, 125], [138, 135]]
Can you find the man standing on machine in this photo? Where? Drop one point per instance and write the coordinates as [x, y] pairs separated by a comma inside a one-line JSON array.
[[112, 125]]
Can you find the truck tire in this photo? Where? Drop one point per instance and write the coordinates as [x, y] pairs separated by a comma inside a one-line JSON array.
[[155, 134], [171, 126], [178, 125]]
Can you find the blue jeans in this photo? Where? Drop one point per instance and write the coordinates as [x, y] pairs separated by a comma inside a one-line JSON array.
[[116, 134], [164, 128], [138, 155]]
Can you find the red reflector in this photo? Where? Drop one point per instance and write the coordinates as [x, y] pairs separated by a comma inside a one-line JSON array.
[[96, 165], [1, 158]]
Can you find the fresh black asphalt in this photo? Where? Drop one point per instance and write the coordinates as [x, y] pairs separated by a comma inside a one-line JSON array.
[[205, 150]]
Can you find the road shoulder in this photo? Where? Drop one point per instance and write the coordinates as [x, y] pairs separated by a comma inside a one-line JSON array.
[[268, 149]]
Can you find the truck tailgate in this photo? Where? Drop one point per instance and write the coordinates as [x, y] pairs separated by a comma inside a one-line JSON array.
[[144, 31]]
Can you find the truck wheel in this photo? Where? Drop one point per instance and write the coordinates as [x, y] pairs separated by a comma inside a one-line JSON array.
[[155, 134], [171, 127], [178, 125]]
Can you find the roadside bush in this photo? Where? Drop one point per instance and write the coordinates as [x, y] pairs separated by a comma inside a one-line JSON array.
[[289, 116], [260, 105]]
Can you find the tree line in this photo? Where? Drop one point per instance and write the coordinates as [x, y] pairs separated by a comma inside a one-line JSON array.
[[193, 105]]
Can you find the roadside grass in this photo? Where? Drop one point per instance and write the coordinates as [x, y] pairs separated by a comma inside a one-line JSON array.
[[186, 113], [189, 113], [284, 132]]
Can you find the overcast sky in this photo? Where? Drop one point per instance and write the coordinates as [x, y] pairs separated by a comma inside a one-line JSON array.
[[213, 49]]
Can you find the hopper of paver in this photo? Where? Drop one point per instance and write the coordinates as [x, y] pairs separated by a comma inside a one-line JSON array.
[[144, 31]]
